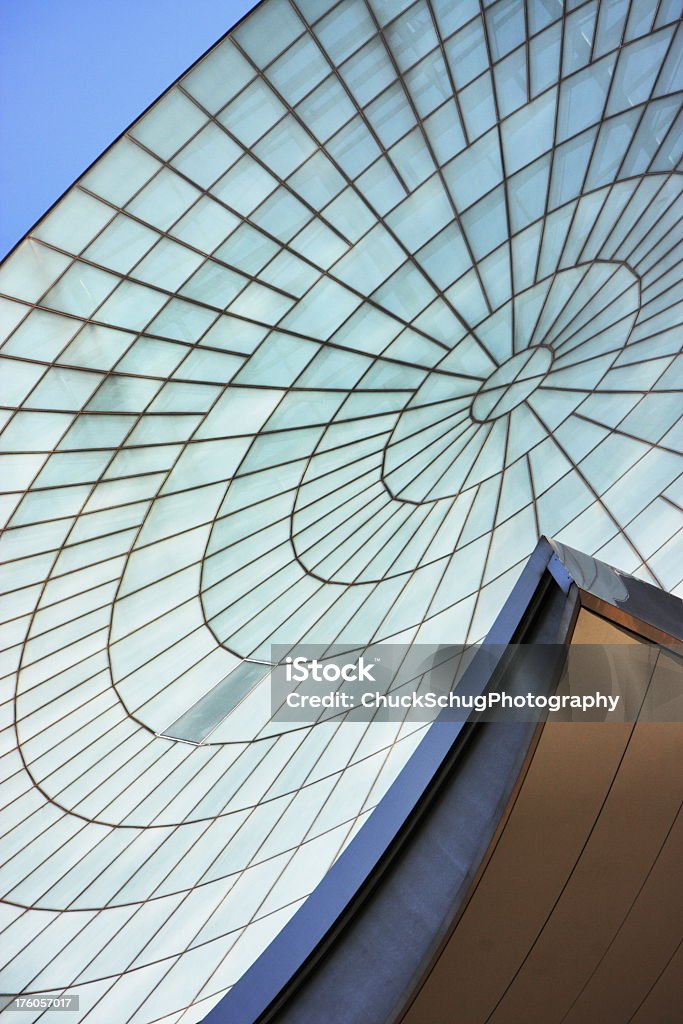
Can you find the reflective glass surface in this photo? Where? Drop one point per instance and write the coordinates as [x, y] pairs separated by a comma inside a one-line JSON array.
[[371, 298]]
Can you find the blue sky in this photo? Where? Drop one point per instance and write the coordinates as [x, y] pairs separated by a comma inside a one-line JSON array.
[[74, 74]]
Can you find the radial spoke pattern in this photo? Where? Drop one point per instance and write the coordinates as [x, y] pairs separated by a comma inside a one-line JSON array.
[[375, 295]]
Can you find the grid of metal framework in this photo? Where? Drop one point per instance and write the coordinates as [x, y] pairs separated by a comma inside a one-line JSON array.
[[372, 297]]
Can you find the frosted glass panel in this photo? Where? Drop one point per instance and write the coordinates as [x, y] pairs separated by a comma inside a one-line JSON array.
[[371, 297]]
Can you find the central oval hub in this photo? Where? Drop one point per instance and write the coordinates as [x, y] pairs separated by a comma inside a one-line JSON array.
[[511, 383]]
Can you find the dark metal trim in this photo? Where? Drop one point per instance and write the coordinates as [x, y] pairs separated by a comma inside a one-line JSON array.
[[552, 569]]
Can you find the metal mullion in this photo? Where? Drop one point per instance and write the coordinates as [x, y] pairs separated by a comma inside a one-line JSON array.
[[128, 278], [637, 218], [251, 862], [632, 437], [48, 750], [96, 845], [138, 419], [606, 101], [313, 522], [652, 316], [465, 422], [489, 545], [177, 640], [517, 379], [658, 241], [463, 410], [261, 229], [106, 508], [257, 557], [43, 657], [619, 391], [649, 230], [655, 16], [91, 448], [338, 572], [603, 113], [171, 444], [127, 476], [112, 535], [214, 520], [84, 320], [117, 373], [623, 319], [284, 518], [451, 81], [355, 611], [350, 501], [506, 177], [650, 272], [592, 359], [302, 552], [465, 485], [64, 739], [387, 88], [286, 247], [173, 956], [21, 558], [670, 501], [97, 820], [232, 543], [553, 277], [172, 829], [590, 262], [126, 560], [598, 227], [264, 607], [527, 52], [389, 574], [448, 559], [576, 135], [166, 235], [124, 636], [597, 498], [559, 270], [53, 604], [127, 557], [576, 313], [359, 110], [16, 618], [66, 813], [410, 575], [552, 151], [534, 496], [526, 166], [425, 448], [380, 219], [246, 150], [439, 171], [655, 296], [600, 8], [209, 348]]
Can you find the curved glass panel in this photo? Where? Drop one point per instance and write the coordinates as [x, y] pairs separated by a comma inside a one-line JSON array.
[[372, 297]]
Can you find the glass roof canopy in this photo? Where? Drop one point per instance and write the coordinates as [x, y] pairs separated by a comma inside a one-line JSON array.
[[372, 297]]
